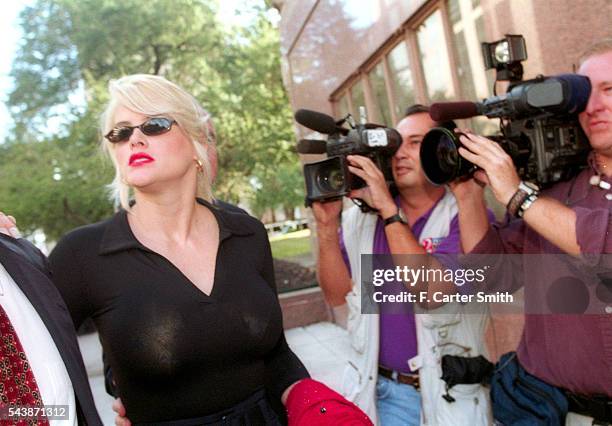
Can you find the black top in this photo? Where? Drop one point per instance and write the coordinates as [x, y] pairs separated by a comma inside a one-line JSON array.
[[175, 352], [109, 381]]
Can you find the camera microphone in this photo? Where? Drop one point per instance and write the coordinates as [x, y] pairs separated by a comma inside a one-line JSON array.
[[446, 111], [316, 121], [563, 94], [311, 146]]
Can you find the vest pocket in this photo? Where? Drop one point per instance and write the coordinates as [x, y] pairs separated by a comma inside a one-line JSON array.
[[356, 323], [351, 381]]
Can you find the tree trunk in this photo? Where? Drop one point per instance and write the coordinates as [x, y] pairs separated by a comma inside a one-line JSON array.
[[289, 212]]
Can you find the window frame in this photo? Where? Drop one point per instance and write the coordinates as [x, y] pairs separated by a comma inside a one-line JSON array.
[[406, 34]]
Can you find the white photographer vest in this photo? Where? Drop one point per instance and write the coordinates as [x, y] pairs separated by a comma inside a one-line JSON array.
[[448, 332]]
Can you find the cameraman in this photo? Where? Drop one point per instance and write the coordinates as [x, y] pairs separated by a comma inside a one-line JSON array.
[[571, 352], [392, 370]]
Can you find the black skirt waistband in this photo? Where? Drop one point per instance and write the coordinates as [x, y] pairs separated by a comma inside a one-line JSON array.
[[253, 411]]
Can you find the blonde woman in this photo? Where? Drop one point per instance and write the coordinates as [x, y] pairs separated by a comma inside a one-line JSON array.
[[182, 292]]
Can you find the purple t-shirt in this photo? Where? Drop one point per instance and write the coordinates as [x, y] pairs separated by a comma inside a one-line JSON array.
[[398, 341]]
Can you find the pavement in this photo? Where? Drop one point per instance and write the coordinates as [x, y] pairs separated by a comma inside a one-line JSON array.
[[306, 260], [322, 347]]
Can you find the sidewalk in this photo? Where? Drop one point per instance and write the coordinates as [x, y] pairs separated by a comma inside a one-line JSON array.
[[321, 347], [92, 356]]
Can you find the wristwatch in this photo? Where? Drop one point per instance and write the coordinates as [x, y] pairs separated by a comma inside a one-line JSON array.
[[400, 216], [525, 191], [527, 203]]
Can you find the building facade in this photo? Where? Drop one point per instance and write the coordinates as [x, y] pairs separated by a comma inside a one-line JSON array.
[[388, 54]]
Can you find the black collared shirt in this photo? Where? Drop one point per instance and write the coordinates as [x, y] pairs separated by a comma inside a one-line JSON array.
[[176, 352]]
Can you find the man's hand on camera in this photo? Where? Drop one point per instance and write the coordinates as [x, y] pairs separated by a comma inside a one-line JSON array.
[[327, 214], [490, 157], [469, 188], [376, 193]]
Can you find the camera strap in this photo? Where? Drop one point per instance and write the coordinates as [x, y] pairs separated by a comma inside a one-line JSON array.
[[363, 206]]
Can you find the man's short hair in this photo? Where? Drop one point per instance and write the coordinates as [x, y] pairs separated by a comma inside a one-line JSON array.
[[602, 46], [420, 108], [416, 109]]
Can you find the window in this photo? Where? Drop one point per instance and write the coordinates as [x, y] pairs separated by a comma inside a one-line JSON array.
[[343, 107], [416, 66], [402, 83], [467, 29], [466, 82], [468, 33], [434, 58], [381, 112], [357, 98], [480, 31]]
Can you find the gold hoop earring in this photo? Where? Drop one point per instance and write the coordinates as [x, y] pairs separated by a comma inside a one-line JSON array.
[[199, 164]]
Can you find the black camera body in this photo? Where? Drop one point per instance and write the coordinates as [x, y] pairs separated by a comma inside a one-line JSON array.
[[546, 150], [330, 179], [539, 129]]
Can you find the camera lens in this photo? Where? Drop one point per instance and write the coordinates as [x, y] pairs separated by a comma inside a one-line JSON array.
[[330, 178], [447, 154], [440, 157]]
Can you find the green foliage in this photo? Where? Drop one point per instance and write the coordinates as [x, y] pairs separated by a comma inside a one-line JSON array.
[[39, 181], [45, 70], [53, 177], [278, 187]]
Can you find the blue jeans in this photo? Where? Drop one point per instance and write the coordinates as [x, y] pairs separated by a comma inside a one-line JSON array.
[[397, 404]]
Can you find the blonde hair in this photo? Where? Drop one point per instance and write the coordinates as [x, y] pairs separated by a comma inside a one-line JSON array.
[[153, 95], [598, 48]]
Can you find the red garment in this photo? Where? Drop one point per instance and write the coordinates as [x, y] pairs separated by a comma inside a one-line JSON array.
[[18, 386], [312, 403]]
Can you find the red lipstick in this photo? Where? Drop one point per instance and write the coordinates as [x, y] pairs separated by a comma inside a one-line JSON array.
[[139, 159]]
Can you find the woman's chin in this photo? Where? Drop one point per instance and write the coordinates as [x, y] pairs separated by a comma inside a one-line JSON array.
[[140, 182]]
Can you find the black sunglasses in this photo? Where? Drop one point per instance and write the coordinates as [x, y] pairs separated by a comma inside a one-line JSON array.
[[152, 127]]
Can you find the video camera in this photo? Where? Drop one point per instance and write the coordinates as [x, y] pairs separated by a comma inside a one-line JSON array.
[[330, 179], [539, 122]]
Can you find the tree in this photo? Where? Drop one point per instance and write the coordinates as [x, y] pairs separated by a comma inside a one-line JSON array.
[[40, 180], [280, 187], [53, 176]]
